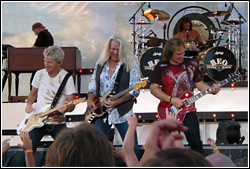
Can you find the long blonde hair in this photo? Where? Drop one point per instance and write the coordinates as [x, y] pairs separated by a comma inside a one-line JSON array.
[[125, 52]]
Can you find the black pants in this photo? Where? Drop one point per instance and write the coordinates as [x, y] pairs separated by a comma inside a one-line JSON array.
[[193, 134]]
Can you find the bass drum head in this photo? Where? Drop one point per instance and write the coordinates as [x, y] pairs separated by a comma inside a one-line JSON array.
[[149, 60], [218, 63], [200, 23]]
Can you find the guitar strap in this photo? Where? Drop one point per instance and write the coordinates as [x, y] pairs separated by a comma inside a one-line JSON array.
[[59, 91], [191, 84]]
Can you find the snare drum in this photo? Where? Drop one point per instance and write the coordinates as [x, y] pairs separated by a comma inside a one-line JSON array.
[[190, 48], [218, 63], [148, 61]]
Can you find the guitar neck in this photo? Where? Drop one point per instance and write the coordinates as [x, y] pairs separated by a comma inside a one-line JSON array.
[[57, 108], [203, 93], [121, 93]]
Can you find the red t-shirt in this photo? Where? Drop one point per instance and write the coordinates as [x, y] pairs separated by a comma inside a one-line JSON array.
[[174, 79]]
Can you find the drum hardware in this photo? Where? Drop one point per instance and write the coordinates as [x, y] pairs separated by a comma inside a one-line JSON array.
[[133, 18], [216, 30], [214, 39], [231, 22], [229, 10], [215, 13], [156, 14], [238, 35], [190, 48], [153, 41]]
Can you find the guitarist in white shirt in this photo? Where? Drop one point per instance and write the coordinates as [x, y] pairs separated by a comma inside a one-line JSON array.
[[170, 80], [44, 88]]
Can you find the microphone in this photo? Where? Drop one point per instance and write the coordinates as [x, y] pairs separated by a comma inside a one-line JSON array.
[[187, 35], [225, 4], [149, 5]]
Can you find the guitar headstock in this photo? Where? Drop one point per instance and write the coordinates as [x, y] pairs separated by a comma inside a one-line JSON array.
[[235, 77], [77, 101], [139, 85]]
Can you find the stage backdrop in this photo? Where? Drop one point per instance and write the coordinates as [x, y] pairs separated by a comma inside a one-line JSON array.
[[88, 25]]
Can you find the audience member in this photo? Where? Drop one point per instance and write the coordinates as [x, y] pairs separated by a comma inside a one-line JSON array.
[[161, 137], [220, 160], [27, 147], [82, 146], [243, 162], [176, 157], [211, 142], [5, 145]]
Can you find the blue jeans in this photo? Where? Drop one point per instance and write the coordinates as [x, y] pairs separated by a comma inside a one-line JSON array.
[[193, 134], [37, 134], [122, 129]]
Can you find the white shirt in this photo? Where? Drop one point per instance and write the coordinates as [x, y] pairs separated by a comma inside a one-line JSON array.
[[47, 88]]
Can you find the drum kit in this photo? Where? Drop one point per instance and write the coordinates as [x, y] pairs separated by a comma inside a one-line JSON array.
[[215, 62]]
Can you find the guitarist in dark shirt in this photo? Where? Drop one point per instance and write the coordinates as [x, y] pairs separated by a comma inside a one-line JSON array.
[[170, 80]]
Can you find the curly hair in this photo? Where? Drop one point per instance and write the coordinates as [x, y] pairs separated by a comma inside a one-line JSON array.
[[170, 46], [184, 20]]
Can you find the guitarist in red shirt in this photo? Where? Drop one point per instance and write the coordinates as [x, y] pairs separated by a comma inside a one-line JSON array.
[[169, 83]]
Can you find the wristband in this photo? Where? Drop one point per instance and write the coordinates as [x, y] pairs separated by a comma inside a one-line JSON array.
[[170, 99], [29, 151], [216, 148]]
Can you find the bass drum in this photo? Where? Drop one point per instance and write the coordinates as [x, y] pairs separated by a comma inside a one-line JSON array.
[[217, 63], [148, 61]]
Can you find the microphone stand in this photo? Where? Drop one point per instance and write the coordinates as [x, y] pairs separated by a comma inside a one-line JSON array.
[[240, 17], [164, 34], [133, 17]]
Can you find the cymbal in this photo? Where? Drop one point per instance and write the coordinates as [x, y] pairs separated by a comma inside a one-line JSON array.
[[213, 39], [156, 13], [215, 13], [232, 22], [141, 23]]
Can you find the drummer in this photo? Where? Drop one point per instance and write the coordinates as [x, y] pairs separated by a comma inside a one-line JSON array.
[[187, 33]]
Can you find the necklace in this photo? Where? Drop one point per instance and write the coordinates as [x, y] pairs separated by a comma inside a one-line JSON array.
[[112, 69]]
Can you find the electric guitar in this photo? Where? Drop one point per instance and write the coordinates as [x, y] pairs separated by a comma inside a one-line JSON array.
[[99, 102], [188, 100], [36, 119]]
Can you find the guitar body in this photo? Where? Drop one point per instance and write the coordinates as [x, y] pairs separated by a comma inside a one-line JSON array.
[[32, 120], [36, 120], [100, 110], [99, 102], [188, 100], [182, 111]]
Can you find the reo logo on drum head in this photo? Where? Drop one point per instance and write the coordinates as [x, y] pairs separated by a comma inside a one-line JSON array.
[[151, 64], [219, 64], [149, 60]]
